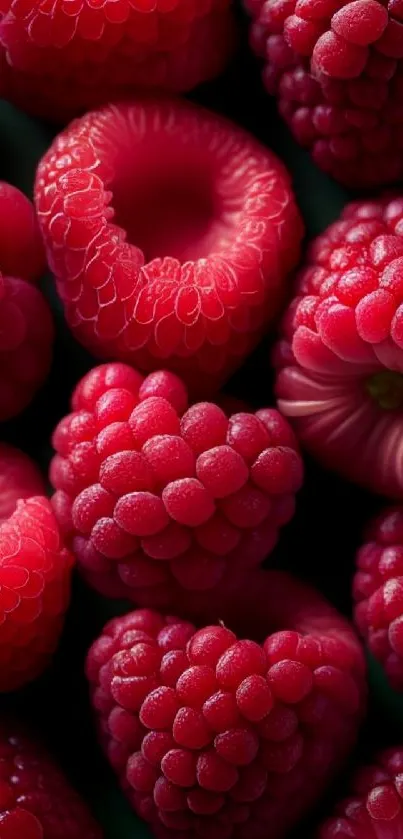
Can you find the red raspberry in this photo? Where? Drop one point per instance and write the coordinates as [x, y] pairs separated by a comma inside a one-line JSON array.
[[378, 591], [341, 359], [36, 801], [19, 478], [374, 809], [35, 571], [336, 70], [158, 500], [222, 738], [62, 58], [21, 248], [171, 233], [26, 337]]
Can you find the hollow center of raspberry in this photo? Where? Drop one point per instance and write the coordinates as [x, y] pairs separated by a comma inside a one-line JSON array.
[[386, 389]]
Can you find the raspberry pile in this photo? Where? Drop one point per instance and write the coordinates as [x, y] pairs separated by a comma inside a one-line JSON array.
[[36, 801], [219, 737], [171, 233], [59, 59], [336, 71], [340, 362], [158, 500], [19, 478], [374, 809]]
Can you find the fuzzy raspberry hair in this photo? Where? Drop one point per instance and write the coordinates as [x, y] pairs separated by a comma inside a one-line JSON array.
[[341, 358], [36, 801], [336, 70], [62, 58], [19, 478], [170, 232], [374, 809], [166, 504], [218, 737]]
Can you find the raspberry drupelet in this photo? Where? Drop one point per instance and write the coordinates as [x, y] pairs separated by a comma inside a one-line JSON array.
[[19, 478], [171, 233], [164, 503], [336, 70], [36, 800], [21, 248], [374, 809], [216, 736], [340, 376], [60, 59]]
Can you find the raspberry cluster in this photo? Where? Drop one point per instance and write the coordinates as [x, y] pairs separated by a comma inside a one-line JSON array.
[[340, 361], [36, 801], [336, 70], [171, 233], [158, 500], [224, 738], [62, 58], [374, 809]]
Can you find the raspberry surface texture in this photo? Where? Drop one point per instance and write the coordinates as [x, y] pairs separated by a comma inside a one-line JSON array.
[[341, 357], [374, 809], [35, 571], [26, 339], [19, 478], [164, 503], [170, 232], [36, 800], [214, 735], [337, 73], [21, 247], [59, 59]]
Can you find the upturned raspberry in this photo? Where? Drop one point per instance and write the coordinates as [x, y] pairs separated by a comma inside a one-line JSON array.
[[36, 801], [21, 248], [374, 809], [163, 503], [341, 358], [61, 59], [214, 735], [378, 591], [19, 478], [170, 232], [336, 70]]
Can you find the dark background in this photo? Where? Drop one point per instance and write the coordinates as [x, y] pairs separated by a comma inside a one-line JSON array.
[[319, 544]]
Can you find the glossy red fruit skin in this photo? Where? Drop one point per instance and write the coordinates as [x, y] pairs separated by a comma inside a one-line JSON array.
[[170, 232], [21, 247], [374, 809], [19, 478], [214, 735], [59, 61], [340, 358], [162, 503], [36, 800]]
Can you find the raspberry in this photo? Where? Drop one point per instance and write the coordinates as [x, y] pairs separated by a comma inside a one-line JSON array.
[[21, 248], [241, 741], [19, 478], [35, 571], [61, 59], [378, 591], [36, 801], [158, 500], [336, 70], [374, 809], [170, 232], [341, 361], [26, 337]]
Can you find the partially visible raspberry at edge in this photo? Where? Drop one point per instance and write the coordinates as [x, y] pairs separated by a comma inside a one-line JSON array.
[[21, 248], [217, 736], [336, 70], [171, 233], [19, 478], [340, 360], [163, 503]]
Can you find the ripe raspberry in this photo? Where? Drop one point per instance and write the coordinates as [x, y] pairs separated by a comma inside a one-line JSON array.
[[374, 809], [36, 801], [341, 359], [336, 70], [21, 248], [26, 337], [19, 478], [158, 500], [222, 738], [171, 233], [60, 59], [35, 571]]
